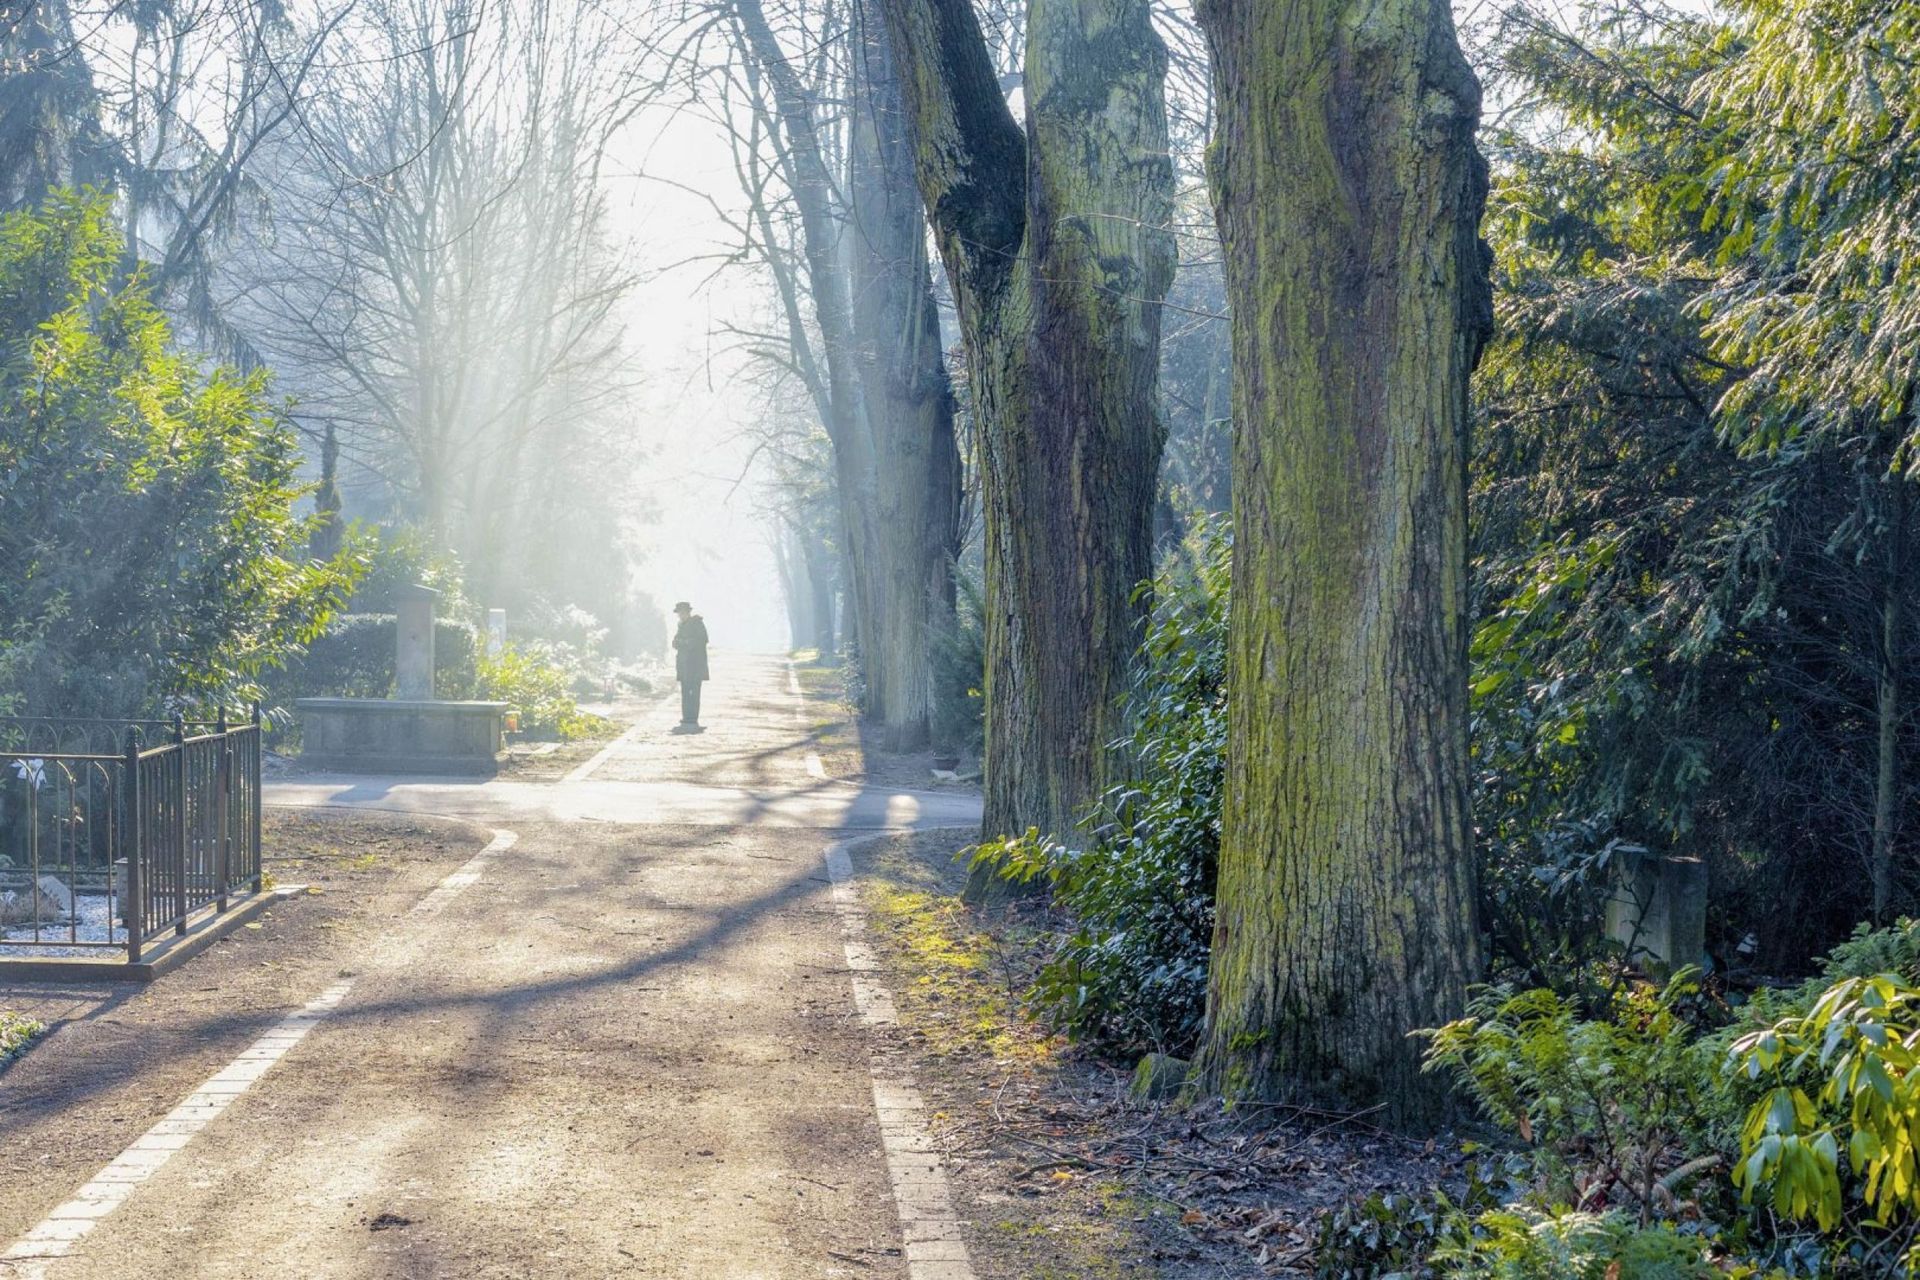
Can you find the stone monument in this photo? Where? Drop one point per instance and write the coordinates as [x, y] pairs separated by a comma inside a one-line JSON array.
[[496, 632], [1657, 910], [413, 643], [411, 732]]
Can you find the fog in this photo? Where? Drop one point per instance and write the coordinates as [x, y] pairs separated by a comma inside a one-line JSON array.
[[709, 542]]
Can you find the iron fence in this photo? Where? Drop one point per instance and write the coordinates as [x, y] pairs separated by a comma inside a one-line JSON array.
[[107, 843]]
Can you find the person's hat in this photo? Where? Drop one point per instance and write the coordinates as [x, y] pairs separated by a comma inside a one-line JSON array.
[[683, 607]]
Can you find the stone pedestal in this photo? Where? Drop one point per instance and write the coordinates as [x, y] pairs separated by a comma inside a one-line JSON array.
[[413, 643], [411, 732], [1657, 910], [373, 735]]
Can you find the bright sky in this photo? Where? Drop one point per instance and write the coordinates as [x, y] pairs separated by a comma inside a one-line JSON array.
[[709, 545]]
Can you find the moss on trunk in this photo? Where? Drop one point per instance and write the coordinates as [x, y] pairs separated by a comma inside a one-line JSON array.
[[1348, 193], [1057, 245]]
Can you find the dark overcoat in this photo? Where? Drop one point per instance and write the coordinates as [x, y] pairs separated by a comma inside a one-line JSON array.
[[690, 649]]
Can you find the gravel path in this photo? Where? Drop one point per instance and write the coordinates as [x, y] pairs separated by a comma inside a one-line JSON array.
[[627, 1048]]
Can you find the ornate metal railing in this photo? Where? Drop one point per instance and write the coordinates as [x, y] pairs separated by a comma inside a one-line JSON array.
[[107, 849], [49, 735]]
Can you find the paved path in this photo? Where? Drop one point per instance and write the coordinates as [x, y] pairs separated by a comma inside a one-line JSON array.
[[622, 1041]]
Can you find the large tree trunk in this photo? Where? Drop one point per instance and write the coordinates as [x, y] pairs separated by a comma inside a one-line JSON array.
[[820, 581], [1058, 249], [906, 402], [1348, 193], [884, 398]]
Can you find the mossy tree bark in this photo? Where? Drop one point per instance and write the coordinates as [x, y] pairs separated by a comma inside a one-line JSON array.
[[1348, 193], [880, 382], [1057, 245]]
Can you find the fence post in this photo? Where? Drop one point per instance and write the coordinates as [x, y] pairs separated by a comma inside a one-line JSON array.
[[133, 907], [223, 811], [257, 799], [180, 823]]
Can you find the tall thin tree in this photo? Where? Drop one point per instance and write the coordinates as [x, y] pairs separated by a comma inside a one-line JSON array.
[[906, 402], [812, 108]]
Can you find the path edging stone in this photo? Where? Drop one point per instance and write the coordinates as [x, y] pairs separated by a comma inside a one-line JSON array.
[[922, 1192]]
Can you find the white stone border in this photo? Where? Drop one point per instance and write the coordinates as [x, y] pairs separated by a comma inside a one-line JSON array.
[[929, 1228], [815, 768], [581, 772], [60, 1231]]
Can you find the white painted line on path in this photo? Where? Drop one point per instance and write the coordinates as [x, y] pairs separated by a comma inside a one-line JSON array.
[[63, 1229], [929, 1228], [581, 772], [815, 769]]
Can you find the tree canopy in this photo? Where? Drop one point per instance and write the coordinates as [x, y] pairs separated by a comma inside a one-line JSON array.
[[153, 554]]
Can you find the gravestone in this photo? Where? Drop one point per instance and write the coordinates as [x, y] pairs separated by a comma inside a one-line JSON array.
[[55, 890], [1657, 910], [413, 643], [1159, 1076], [496, 632]]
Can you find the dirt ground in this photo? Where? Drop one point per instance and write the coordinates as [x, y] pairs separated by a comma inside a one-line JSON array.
[[625, 1051], [628, 1048], [1063, 1173], [115, 1057], [852, 751], [621, 1048]]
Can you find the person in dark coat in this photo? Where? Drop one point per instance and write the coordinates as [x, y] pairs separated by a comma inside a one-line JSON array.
[[689, 661]]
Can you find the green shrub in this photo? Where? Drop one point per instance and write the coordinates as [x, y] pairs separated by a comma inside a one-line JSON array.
[[536, 688], [1808, 1107], [398, 556], [1894, 950], [1839, 1122], [17, 1031], [354, 658], [1391, 1234], [150, 553], [456, 659], [1132, 973], [1630, 1110], [565, 627], [1529, 1244]]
